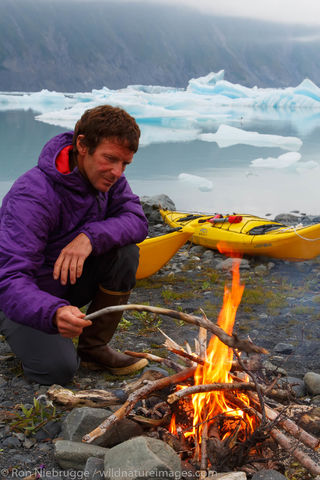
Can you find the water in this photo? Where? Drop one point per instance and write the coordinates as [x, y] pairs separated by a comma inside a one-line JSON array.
[[236, 186]]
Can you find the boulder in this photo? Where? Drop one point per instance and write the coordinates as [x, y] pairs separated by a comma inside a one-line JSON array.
[[83, 420], [142, 457], [151, 206], [74, 455]]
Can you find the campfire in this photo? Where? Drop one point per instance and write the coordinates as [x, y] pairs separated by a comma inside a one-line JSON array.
[[217, 420], [218, 414]]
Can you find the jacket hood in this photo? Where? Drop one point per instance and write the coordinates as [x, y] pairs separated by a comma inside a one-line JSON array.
[[47, 163]]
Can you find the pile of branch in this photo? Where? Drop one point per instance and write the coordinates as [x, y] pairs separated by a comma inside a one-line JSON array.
[[271, 423]]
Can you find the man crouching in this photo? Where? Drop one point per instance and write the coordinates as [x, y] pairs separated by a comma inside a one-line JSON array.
[[68, 234]]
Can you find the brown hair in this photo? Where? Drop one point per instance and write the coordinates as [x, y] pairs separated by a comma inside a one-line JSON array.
[[103, 122]]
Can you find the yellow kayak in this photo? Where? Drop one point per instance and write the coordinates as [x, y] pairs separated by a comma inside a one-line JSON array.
[[156, 252], [249, 235]]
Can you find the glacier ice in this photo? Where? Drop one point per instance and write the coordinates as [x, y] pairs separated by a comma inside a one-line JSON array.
[[200, 108], [283, 161], [227, 136], [203, 184]]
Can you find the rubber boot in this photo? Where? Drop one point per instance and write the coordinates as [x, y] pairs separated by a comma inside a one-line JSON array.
[[93, 347]]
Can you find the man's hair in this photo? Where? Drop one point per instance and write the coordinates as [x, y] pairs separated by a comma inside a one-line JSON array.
[[106, 122]]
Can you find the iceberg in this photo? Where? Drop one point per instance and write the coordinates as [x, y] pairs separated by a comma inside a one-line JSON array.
[[203, 184], [283, 161], [200, 108], [227, 136]]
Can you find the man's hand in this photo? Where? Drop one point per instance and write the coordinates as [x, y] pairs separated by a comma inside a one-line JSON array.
[[70, 322], [71, 259]]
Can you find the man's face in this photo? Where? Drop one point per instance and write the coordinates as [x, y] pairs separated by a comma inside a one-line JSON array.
[[106, 165]]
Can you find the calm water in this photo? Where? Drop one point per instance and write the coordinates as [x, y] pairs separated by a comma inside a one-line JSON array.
[[237, 187]]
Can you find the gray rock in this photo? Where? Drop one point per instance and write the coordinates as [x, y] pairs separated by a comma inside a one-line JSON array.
[[11, 442], [287, 218], [316, 400], [83, 420], [208, 256], [50, 430], [94, 469], [283, 348], [74, 455], [296, 385], [141, 454], [274, 369], [312, 381], [260, 270], [268, 475], [229, 262], [150, 207], [199, 250]]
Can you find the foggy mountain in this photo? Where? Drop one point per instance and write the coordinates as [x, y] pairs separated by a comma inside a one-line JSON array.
[[80, 45]]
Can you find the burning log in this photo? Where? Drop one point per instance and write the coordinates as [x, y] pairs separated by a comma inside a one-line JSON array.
[[209, 387], [144, 391], [231, 341]]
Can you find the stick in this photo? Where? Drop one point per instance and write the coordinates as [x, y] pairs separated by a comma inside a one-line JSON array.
[[204, 454], [231, 341], [290, 446], [134, 398], [209, 387], [285, 442], [155, 358], [304, 437]]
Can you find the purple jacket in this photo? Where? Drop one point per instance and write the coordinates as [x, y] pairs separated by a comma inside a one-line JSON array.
[[43, 211]]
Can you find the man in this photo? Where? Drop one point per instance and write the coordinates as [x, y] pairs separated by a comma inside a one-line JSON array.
[[68, 229]]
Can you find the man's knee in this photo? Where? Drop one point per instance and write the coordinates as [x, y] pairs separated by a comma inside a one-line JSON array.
[[118, 268], [59, 369]]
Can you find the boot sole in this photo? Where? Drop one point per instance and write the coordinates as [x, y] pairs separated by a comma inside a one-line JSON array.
[[119, 370]]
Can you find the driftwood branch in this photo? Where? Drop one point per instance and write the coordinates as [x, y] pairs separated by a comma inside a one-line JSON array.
[[291, 427], [89, 398], [143, 392], [291, 445], [209, 387], [98, 398], [155, 358], [231, 341]]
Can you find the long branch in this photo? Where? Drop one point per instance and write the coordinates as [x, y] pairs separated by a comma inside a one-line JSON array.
[[209, 387], [231, 341]]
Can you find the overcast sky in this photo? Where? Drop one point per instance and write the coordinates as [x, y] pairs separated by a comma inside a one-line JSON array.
[[305, 11]]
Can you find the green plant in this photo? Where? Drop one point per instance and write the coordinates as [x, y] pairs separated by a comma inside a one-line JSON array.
[[150, 322], [30, 420], [206, 285], [125, 324]]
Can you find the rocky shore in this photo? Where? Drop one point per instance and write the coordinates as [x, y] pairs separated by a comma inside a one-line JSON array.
[[280, 311]]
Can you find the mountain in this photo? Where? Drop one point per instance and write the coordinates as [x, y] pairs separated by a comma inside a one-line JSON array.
[[80, 45]]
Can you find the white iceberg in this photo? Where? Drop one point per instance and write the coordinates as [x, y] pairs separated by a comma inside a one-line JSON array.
[[227, 136], [283, 161], [203, 184], [202, 106]]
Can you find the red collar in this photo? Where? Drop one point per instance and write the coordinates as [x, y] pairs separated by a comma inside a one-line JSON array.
[[62, 160]]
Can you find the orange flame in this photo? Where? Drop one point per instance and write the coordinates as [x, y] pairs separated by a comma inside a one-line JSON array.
[[219, 360]]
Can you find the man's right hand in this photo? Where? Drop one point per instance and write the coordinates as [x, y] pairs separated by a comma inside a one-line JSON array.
[[70, 322]]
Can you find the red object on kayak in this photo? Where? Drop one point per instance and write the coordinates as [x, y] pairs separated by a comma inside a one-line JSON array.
[[231, 219]]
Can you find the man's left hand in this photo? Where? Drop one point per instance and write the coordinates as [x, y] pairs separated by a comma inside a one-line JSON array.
[[71, 259]]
